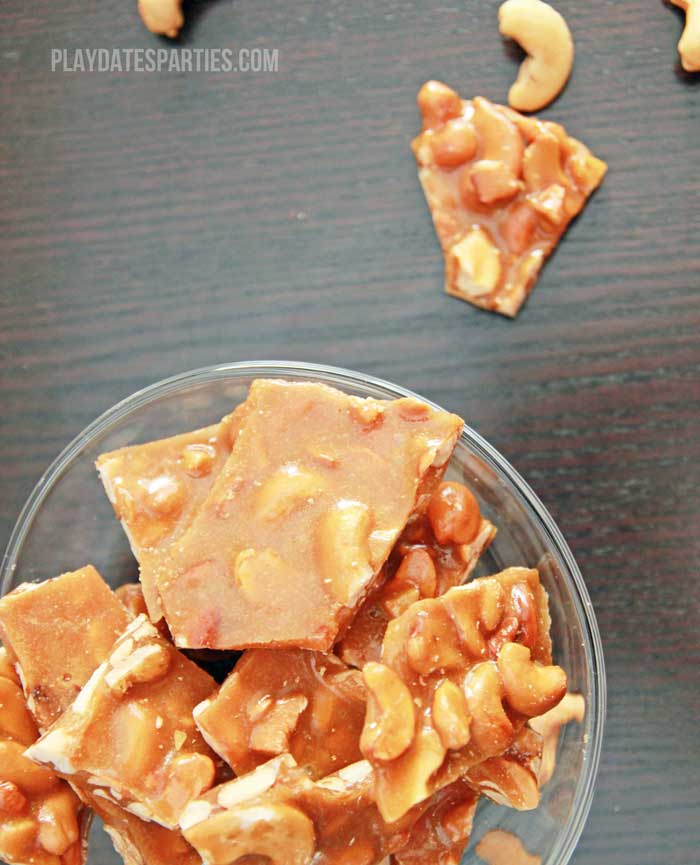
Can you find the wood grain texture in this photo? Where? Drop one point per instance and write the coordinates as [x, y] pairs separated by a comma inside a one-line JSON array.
[[158, 222]]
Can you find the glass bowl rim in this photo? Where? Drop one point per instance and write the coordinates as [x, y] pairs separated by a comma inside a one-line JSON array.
[[593, 648]]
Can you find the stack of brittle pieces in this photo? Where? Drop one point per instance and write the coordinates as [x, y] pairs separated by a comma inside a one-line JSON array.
[[375, 690]]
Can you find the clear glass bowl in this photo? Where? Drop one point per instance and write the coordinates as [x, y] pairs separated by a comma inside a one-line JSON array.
[[68, 522]]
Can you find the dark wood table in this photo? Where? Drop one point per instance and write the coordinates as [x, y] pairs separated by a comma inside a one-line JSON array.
[[152, 223]]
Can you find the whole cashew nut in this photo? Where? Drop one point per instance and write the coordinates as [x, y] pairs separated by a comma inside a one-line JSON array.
[[689, 45], [163, 17], [531, 689], [544, 34], [390, 724]]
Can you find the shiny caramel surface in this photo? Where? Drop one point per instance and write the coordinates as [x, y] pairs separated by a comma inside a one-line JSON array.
[[79, 617], [502, 189], [58, 632], [130, 736], [157, 487], [409, 578], [299, 522], [294, 701], [139, 842], [441, 834], [41, 819], [278, 812], [458, 677]]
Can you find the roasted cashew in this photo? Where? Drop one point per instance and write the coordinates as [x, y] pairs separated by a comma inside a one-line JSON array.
[[544, 34], [163, 17], [689, 45], [531, 689], [390, 725]]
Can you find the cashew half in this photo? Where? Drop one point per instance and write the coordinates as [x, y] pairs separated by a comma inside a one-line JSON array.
[[544, 34], [689, 45], [163, 17]]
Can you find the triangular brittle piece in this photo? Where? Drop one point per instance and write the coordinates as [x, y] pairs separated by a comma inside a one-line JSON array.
[[502, 189]]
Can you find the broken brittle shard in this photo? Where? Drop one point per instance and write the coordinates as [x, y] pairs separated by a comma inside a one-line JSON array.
[[298, 524], [419, 568], [42, 821], [459, 677], [278, 814], [502, 189], [129, 736], [294, 701], [58, 632]]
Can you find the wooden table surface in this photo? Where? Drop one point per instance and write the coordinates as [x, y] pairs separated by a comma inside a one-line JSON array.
[[152, 223]]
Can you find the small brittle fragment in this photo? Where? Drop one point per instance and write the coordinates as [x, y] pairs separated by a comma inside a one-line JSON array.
[[157, 487], [42, 821], [286, 700], [501, 204]]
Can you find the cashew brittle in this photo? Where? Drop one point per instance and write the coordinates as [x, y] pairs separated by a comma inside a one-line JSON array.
[[441, 834], [295, 529], [41, 818], [420, 567], [499, 208], [467, 708], [153, 761], [333, 821], [286, 700], [157, 487], [511, 779], [60, 631]]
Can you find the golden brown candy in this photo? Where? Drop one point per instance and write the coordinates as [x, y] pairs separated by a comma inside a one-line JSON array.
[[297, 526]]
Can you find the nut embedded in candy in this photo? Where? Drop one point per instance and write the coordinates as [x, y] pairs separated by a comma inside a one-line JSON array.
[[500, 208], [530, 688], [157, 487], [332, 821], [285, 547], [419, 567], [287, 700], [390, 725], [41, 818], [439, 647], [60, 630], [169, 762]]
